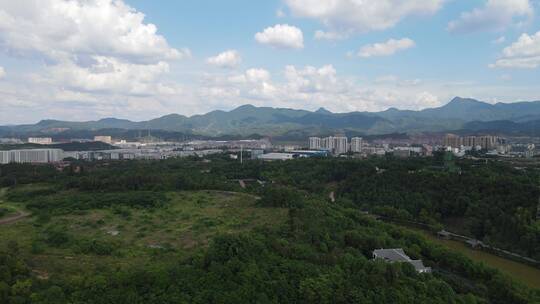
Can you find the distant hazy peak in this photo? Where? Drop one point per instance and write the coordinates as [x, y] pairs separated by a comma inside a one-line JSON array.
[[461, 101], [245, 107], [322, 110]]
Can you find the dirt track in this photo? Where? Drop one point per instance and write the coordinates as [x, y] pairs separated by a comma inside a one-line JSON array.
[[14, 218]]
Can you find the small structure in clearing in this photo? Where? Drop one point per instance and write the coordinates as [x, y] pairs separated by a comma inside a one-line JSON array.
[[398, 255]]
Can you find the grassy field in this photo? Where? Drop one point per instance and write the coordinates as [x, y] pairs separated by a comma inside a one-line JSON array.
[[526, 274], [187, 222], [6, 209]]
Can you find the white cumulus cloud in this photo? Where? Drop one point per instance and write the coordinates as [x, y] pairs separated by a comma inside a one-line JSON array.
[[281, 36], [61, 30], [89, 45], [110, 75], [257, 75], [494, 15], [310, 79], [524, 53], [227, 59], [349, 16], [99, 57], [427, 100], [323, 35], [387, 48], [312, 87]]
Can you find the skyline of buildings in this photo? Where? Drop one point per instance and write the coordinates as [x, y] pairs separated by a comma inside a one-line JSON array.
[[334, 144], [486, 142]]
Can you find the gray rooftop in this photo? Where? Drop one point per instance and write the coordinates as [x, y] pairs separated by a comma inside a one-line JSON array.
[[394, 255], [398, 255]]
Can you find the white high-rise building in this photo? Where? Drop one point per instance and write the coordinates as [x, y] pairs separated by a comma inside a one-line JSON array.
[[335, 144], [5, 157], [328, 143], [356, 144], [314, 143], [40, 140], [341, 145]]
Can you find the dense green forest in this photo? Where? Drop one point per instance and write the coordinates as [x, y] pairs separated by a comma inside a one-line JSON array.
[[279, 240]]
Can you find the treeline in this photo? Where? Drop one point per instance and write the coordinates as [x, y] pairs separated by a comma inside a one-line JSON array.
[[178, 174]]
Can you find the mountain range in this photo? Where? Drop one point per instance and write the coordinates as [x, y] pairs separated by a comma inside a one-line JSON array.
[[458, 114]]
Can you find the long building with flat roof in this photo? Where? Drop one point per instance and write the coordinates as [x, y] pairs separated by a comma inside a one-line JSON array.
[[31, 156], [40, 140]]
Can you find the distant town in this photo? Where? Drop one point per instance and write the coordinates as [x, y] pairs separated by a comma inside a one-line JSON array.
[[263, 149]]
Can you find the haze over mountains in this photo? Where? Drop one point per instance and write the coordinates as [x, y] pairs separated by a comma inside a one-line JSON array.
[[459, 114]]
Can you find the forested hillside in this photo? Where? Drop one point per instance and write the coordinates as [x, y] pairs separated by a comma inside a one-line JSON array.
[[184, 231]]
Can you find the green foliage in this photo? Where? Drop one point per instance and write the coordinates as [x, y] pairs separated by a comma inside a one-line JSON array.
[[62, 202], [281, 197], [320, 253], [95, 246], [56, 236]]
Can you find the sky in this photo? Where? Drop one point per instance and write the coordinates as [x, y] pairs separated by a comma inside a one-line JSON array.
[[84, 60]]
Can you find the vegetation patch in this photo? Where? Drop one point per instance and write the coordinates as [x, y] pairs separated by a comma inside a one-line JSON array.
[[125, 230]]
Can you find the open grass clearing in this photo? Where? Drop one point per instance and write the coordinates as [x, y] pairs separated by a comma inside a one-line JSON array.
[[187, 222]]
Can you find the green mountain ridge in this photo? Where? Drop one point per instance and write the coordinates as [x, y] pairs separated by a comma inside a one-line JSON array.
[[267, 121]]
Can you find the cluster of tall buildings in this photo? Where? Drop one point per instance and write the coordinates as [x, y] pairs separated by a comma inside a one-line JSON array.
[[31, 156], [486, 142], [336, 144]]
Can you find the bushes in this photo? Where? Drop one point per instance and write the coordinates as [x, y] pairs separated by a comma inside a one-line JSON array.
[[3, 212], [56, 236], [95, 246], [228, 247], [70, 201], [28, 193], [281, 197]]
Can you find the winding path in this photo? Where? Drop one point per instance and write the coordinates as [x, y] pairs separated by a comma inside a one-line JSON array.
[[19, 216], [13, 218]]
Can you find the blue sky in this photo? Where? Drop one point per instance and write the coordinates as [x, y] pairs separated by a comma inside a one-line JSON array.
[[139, 59]]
